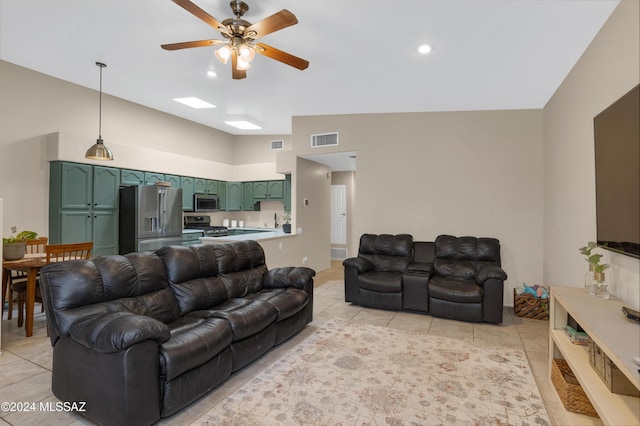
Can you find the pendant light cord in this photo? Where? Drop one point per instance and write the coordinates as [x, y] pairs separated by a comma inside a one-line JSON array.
[[101, 65]]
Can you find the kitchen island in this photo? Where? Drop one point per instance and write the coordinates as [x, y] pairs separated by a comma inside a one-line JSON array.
[[243, 234]]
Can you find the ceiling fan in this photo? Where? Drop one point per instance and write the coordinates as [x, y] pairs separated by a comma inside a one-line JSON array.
[[240, 36]]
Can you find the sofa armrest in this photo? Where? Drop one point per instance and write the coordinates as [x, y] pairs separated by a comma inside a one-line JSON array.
[[490, 272], [288, 277], [420, 267], [360, 264], [116, 331]]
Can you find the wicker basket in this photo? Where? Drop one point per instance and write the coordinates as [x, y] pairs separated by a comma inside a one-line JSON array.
[[571, 394], [529, 306]]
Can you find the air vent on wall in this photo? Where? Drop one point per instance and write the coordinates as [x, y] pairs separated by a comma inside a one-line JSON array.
[[324, 139], [277, 145]]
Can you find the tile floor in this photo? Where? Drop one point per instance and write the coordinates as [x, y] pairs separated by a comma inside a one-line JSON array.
[[25, 363]]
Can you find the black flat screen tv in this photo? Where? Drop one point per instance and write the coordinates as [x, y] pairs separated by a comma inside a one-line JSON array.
[[617, 161]]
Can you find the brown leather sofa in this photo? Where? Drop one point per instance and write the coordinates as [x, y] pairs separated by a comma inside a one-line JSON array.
[[457, 278], [140, 336]]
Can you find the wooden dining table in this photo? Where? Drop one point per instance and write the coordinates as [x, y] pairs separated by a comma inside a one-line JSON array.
[[30, 264]]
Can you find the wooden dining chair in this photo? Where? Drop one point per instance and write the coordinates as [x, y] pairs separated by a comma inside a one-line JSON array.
[[72, 251], [18, 280], [56, 253]]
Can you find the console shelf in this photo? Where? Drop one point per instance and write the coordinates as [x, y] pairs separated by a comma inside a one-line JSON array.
[[617, 336]]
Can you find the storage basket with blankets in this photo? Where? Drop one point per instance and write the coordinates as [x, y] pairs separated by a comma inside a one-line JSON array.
[[531, 302]]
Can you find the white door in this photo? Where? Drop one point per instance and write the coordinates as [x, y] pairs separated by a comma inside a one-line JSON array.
[[338, 214]]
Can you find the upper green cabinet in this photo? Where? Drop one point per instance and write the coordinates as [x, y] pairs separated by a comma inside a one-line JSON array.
[[173, 180], [106, 182], [248, 202], [206, 186], [131, 177], [188, 189], [268, 190], [287, 193], [74, 184], [150, 178], [276, 189], [234, 196]]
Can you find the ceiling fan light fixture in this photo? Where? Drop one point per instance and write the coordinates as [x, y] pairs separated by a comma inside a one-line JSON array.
[[246, 52], [242, 64], [223, 54], [98, 150]]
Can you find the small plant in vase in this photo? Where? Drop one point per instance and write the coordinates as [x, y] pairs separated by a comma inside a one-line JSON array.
[[14, 248], [600, 287], [592, 259], [286, 226]]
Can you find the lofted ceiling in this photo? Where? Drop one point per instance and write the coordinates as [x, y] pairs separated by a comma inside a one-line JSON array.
[[498, 54]]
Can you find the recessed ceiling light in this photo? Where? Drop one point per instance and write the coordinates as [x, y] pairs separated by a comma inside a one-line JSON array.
[[243, 125], [194, 102], [211, 74], [424, 49]]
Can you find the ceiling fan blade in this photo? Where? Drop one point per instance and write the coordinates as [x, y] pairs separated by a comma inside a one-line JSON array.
[[199, 13], [235, 72], [281, 56], [187, 44], [270, 24]]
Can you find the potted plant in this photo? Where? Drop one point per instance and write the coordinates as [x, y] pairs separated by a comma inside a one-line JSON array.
[[286, 226], [14, 248]]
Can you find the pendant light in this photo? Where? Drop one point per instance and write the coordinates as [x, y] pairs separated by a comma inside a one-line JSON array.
[[99, 151]]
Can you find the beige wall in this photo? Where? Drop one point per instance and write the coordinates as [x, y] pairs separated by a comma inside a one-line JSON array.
[[607, 70], [461, 173]]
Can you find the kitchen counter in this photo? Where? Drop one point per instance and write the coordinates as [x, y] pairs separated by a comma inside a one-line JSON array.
[[260, 234]]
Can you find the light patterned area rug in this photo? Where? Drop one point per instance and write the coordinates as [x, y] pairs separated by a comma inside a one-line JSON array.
[[350, 374]]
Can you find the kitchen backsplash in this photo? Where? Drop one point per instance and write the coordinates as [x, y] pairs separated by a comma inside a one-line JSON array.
[[260, 219]]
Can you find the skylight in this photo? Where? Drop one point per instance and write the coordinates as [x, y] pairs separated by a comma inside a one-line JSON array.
[[243, 125], [194, 102]]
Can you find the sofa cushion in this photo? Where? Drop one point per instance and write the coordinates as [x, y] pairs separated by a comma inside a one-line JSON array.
[[193, 342], [287, 301], [454, 290], [193, 277], [382, 282], [246, 317], [388, 253], [241, 266]]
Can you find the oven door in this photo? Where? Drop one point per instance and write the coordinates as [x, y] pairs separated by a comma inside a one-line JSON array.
[[206, 203]]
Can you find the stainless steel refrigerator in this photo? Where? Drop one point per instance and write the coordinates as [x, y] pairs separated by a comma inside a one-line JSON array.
[[150, 217]]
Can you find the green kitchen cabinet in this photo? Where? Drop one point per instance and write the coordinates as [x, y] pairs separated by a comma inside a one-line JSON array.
[[74, 185], [222, 195], [131, 177], [261, 190], [150, 178], [276, 189], [268, 190], [234, 196], [83, 205], [287, 193], [188, 189], [173, 180], [248, 203], [207, 186]]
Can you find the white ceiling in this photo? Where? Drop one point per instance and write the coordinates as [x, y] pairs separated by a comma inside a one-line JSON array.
[[502, 54]]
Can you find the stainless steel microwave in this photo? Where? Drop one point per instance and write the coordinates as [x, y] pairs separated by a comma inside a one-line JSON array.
[[206, 203]]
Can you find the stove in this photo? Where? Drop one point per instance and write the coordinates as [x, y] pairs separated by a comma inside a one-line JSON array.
[[203, 223]]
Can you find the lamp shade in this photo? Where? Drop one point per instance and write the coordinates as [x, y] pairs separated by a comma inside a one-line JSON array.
[[99, 151]]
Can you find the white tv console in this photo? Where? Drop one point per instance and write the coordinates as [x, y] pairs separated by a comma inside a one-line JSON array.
[[616, 335]]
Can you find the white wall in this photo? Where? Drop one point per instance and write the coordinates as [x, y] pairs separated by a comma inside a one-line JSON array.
[[607, 70], [473, 173]]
